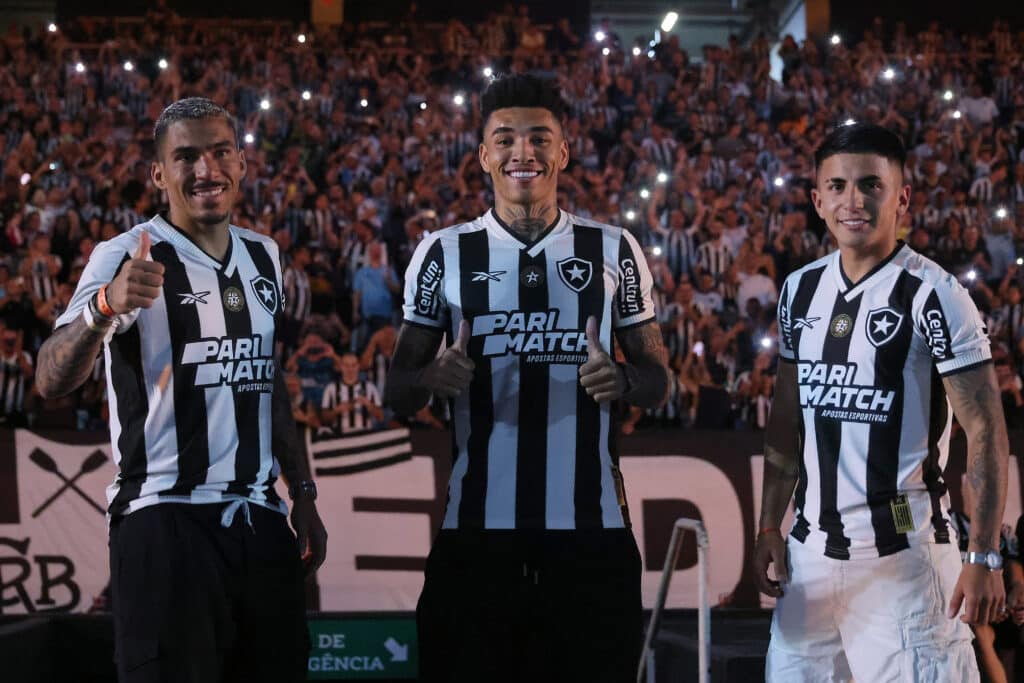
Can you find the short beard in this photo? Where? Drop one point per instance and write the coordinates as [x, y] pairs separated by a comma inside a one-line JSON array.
[[207, 219]]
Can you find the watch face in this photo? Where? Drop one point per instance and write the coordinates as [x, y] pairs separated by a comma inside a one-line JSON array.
[[994, 560]]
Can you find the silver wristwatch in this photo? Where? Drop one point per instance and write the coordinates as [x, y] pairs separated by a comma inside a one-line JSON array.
[[991, 559]]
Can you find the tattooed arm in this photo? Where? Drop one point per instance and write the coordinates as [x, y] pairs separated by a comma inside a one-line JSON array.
[[977, 405], [417, 371], [646, 366], [66, 358]]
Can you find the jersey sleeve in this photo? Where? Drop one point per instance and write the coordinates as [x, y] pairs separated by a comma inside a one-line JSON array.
[[633, 304], [953, 328], [424, 302], [787, 350], [103, 265]]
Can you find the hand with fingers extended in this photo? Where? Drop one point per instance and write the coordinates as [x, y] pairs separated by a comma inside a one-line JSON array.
[[601, 377], [981, 594], [449, 374], [139, 282], [770, 549]]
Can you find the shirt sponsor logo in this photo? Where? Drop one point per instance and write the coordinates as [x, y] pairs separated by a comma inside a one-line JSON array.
[[536, 335], [631, 300], [236, 362], [830, 388], [938, 338], [575, 273], [882, 325], [429, 288], [266, 294]]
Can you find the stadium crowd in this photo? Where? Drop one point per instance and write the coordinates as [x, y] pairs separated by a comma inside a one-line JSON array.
[[363, 138]]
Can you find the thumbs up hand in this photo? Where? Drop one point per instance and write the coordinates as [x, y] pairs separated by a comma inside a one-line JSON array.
[[601, 376], [139, 282], [449, 374]]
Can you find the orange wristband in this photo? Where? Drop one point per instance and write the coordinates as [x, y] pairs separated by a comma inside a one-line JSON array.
[[101, 303], [768, 531]]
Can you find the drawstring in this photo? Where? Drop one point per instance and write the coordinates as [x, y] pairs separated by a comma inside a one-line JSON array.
[[228, 516]]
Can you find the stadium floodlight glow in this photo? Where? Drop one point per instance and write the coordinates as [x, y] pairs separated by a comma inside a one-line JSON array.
[[605, 51], [599, 36], [849, 122], [364, 103], [889, 73], [1001, 212], [264, 104], [459, 99], [128, 66], [249, 138], [306, 95], [662, 177], [957, 114], [656, 251], [25, 178], [301, 37], [52, 28], [80, 68], [835, 39], [162, 64], [972, 275], [779, 181], [948, 95], [636, 51], [631, 215], [645, 193], [669, 21], [766, 342], [488, 72], [423, 105]]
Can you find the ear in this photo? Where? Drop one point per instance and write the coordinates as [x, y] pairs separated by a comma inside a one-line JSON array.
[[242, 165], [563, 154], [816, 200], [156, 172], [485, 162], [903, 200]]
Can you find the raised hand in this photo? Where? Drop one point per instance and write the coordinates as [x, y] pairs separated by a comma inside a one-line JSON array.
[[139, 283], [601, 376]]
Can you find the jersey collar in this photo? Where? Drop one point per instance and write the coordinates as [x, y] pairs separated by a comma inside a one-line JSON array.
[[501, 228], [881, 270], [182, 241]]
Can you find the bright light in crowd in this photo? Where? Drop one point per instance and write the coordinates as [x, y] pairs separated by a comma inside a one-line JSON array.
[[766, 342], [662, 177], [306, 95], [835, 39], [849, 122], [599, 36], [25, 177], [162, 63], [128, 66], [80, 68], [53, 165], [636, 52], [645, 193], [1020, 261], [301, 37], [889, 74], [488, 72], [631, 215], [669, 21], [363, 103], [656, 251], [423, 105], [948, 95], [1001, 212], [52, 28], [957, 114], [605, 51], [264, 104], [779, 182], [249, 138], [650, 54], [459, 99], [971, 275]]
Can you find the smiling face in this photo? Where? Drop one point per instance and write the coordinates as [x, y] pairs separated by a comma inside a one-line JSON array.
[[523, 150], [861, 198], [200, 168]]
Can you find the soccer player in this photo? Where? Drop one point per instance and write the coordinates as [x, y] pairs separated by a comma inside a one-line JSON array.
[[206, 576], [535, 574], [877, 342]]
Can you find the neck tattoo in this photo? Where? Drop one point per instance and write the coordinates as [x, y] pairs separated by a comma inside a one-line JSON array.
[[528, 222]]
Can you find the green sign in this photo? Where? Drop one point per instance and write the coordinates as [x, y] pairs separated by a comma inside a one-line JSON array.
[[362, 649]]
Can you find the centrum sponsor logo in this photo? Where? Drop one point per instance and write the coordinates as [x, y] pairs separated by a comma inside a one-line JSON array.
[[830, 388], [937, 333], [535, 334], [430, 282], [239, 363], [631, 300]]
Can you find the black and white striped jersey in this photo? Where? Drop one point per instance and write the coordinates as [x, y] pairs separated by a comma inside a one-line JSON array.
[[297, 294], [189, 380], [532, 450], [875, 420], [357, 419], [13, 382]]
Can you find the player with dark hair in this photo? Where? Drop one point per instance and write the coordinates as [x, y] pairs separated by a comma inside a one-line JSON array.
[[535, 573], [206, 576], [877, 344]]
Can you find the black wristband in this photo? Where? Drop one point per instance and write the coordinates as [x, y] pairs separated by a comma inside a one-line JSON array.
[[303, 489]]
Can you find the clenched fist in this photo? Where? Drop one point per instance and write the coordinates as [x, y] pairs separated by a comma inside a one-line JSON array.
[[601, 376], [139, 283]]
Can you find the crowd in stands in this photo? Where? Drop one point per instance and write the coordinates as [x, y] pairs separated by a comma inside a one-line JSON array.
[[361, 139]]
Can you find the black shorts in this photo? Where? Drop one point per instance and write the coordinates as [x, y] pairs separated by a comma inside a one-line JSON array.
[[532, 606], [194, 601]]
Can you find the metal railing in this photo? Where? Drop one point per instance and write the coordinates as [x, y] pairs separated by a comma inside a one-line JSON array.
[[646, 664]]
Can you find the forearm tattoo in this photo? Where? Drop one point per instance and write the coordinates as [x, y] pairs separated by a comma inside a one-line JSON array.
[[67, 358]]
